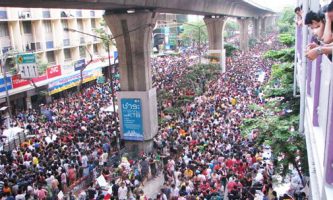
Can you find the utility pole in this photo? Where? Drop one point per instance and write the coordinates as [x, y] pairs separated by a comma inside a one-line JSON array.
[[4, 72], [199, 46]]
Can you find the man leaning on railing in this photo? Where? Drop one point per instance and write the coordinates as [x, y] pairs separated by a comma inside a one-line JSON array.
[[321, 25]]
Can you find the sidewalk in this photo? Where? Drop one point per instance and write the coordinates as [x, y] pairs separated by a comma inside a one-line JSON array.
[[153, 186]]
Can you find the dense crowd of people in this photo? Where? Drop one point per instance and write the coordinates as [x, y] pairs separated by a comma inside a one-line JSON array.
[[73, 136], [211, 156], [202, 151]]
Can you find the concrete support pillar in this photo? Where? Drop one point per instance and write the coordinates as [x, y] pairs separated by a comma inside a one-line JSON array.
[[256, 28], [28, 102], [215, 28], [137, 99], [262, 25], [244, 34]]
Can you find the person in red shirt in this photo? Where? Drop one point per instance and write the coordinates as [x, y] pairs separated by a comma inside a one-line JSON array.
[[231, 184], [229, 163]]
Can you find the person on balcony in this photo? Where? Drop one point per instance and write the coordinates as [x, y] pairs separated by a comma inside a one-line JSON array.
[[299, 19], [328, 35], [316, 21], [326, 46]]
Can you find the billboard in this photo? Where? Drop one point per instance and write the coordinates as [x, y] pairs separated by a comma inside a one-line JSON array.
[[53, 71], [80, 64], [64, 83], [131, 112], [17, 81], [3, 86], [27, 66]]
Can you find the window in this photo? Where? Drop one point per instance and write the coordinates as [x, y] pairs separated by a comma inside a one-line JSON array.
[[48, 26], [82, 52], [67, 53], [64, 23], [27, 27], [95, 49], [50, 56], [80, 24], [4, 29], [93, 23]]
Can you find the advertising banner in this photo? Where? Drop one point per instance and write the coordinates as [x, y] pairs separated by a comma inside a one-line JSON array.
[[27, 65], [53, 71], [73, 80], [17, 81], [131, 112], [3, 86]]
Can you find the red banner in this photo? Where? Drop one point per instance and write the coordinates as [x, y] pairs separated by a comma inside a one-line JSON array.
[[53, 71], [18, 82]]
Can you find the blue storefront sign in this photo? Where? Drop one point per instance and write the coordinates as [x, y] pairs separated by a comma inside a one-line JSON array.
[[2, 84], [79, 64], [132, 119], [115, 55]]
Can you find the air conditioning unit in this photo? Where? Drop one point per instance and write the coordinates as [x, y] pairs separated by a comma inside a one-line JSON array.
[[25, 15]]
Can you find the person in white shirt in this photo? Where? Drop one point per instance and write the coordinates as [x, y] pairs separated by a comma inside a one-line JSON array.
[[122, 192], [174, 191]]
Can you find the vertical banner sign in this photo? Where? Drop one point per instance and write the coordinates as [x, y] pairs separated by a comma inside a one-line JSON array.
[[131, 112], [3, 86], [27, 66]]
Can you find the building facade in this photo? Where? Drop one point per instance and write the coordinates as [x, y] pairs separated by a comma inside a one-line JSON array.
[[315, 81], [41, 31], [167, 30]]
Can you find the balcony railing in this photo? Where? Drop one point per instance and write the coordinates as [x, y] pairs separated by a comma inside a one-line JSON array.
[[3, 14], [299, 41], [49, 44], [78, 13], [46, 14], [82, 41], [66, 42]]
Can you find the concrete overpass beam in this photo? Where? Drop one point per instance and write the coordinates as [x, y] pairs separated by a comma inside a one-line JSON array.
[[215, 28], [244, 34], [137, 98]]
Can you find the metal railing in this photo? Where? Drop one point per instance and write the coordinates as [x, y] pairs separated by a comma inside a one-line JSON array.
[[16, 142]]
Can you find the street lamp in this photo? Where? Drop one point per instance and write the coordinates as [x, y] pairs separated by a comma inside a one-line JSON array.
[[110, 71], [199, 29]]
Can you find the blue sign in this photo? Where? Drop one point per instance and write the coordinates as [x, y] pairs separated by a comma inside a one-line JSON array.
[[131, 112], [115, 54], [2, 84], [79, 64]]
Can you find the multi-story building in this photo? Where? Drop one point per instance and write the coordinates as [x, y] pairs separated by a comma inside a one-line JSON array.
[[168, 29], [316, 88], [41, 31]]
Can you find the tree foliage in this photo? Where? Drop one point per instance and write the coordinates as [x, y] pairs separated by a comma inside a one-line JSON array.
[[284, 55], [287, 39], [286, 21], [230, 28], [229, 48], [196, 31]]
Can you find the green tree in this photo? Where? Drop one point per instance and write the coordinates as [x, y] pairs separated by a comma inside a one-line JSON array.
[[287, 39], [229, 48], [196, 31], [286, 21], [230, 28]]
